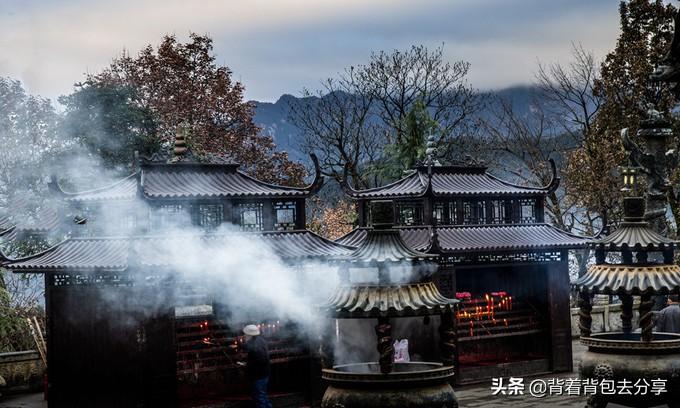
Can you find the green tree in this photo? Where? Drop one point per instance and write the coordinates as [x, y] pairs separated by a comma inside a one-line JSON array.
[[29, 138], [105, 119], [409, 150]]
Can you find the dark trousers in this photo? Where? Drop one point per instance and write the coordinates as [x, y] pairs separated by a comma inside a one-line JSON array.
[[260, 393]]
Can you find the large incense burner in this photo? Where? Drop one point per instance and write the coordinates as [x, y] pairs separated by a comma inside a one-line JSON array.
[[638, 358], [385, 279]]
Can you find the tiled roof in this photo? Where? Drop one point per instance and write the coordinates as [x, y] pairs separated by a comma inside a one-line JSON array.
[[44, 221], [187, 180], [634, 235], [632, 280], [414, 299], [125, 189], [449, 181], [481, 238], [78, 254], [115, 254], [384, 246], [182, 181]]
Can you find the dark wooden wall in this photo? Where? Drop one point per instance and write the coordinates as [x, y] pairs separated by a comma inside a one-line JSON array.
[[560, 316], [109, 346]]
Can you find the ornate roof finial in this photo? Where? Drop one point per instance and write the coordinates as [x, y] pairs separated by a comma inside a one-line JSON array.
[[431, 151], [179, 148]]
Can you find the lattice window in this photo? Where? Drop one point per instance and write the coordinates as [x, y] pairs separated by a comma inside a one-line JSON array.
[[169, 215], [518, 257], [527, 211], [444, 212], [250, 216], [100, 279], [285, 216], [439, 213], [474, 212], [209, 216], [498, 212], [410, 213]]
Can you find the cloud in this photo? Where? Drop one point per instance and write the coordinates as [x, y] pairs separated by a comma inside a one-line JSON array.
[[281, 46]]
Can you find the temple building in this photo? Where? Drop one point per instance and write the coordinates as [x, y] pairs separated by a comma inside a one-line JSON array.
[[122, 330], [497, 255]]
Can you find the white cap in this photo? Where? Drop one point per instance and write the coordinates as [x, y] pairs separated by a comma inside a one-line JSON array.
[[251, 330]]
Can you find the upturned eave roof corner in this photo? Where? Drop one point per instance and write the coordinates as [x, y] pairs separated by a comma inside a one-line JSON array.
[[434, 247], [412, 177], [318, 180], [120, 189], [54, 187], [549, 188]]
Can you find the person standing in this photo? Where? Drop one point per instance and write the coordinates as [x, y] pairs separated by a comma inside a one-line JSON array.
[[257, 365], [668, 319]]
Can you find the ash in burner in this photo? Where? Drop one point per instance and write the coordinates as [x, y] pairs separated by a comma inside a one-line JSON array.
[[374, 368]]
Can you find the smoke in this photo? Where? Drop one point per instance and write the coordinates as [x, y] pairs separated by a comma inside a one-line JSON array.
[[243, 273]]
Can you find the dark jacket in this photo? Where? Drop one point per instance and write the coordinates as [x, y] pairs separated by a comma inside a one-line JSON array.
[[668, 320], [258, 358]]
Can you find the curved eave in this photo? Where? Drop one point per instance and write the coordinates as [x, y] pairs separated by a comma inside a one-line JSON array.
[[385, 246], [7, 262], [391, 312], [91, 195], [631, 280], [418, 299], [379, 192], [549, 188], [307, 190], [635, 236], [7, 230]]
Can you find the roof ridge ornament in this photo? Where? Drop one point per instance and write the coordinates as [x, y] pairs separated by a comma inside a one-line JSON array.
[[431, 152], [179, 147]]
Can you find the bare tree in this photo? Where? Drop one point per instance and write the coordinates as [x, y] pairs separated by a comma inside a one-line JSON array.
[[354, 116], [560, 118], [336, 124], [569, 92], [396, 80]]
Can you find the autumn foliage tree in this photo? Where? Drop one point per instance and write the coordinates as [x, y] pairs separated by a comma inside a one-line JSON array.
[[180, 83], [332, 221], [625, 92]]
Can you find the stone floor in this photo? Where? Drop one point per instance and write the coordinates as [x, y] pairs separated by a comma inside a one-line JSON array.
[[474, 396]]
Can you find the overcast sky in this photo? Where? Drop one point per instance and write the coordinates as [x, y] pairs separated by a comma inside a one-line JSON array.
[[281, 46]]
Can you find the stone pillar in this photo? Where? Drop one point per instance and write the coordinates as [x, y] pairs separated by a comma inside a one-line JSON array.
[[585, 306], [626, 313], [447, 338], [646, 323], [385, 345]]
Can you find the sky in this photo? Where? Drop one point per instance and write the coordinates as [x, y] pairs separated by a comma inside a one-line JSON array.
[[276, 47]]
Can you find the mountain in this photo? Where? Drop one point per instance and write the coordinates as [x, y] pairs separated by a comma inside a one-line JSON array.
[[273, 119]]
